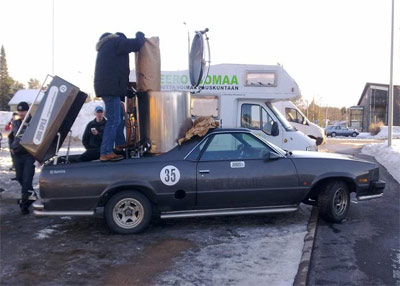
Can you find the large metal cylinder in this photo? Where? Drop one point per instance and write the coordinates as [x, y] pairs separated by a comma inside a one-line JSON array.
[[163, 118]]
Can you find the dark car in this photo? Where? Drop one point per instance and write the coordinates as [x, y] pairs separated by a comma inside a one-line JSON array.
[[339, 130], [227, 172]]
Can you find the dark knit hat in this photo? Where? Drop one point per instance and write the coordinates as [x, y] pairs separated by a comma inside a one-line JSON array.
[[23, 106]]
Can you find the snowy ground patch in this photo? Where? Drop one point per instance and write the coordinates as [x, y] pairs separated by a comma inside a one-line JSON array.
[[383, 134], [389, 157], [256, 254]]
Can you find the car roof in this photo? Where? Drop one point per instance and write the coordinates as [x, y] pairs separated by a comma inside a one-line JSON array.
[[223, 130]]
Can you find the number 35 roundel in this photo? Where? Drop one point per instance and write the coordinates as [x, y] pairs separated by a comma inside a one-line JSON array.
[[170, 175]]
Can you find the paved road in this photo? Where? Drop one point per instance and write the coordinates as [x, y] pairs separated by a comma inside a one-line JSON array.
[[365, 249]]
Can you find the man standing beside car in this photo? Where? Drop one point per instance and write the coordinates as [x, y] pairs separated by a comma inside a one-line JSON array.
[[93, 135], [24, 162], [111, 81]]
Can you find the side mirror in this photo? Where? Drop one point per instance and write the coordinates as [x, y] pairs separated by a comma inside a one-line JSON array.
[[275, 129], [270, 156]]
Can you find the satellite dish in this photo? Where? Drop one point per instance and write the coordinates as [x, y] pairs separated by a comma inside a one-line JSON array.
[[197, 59]]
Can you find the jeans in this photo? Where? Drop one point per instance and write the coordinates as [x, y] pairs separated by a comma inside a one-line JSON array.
[[114, 130], [25, 170]]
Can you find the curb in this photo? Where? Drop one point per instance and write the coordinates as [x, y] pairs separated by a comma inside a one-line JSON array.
[[302, 271]]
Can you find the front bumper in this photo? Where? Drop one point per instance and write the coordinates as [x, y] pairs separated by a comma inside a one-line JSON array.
[[375, 190]]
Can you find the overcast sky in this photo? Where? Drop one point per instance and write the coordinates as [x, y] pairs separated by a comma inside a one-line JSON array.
[[330, 47]]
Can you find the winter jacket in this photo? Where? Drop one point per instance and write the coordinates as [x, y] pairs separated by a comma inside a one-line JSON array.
[[111, 76], [91, 141], [15, 141]]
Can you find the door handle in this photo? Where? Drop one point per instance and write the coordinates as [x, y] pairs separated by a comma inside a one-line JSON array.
[[204, 171]]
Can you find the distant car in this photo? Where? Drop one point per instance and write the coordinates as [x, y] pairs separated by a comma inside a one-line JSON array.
[[229, 171], [339, 130]]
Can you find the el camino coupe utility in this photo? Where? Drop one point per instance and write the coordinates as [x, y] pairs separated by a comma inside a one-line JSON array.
[[227, 172]]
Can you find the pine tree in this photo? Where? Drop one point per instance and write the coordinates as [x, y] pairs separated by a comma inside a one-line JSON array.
[[34, 83], [6, 82]]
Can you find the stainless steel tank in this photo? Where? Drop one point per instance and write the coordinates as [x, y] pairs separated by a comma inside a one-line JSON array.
[[163, 118]]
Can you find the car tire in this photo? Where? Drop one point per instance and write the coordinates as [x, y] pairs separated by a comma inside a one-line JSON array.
[[334, 201], [333, 134], [128, 212], [354, 134]]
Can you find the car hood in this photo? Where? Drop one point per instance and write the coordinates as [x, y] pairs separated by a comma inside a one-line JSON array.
[[322, 155]]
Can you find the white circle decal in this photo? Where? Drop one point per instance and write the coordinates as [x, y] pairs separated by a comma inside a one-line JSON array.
[[63, 88], [170, 175]]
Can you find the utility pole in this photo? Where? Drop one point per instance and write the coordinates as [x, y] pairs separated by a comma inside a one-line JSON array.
[[390, 117], [326, 116], [52, 43]]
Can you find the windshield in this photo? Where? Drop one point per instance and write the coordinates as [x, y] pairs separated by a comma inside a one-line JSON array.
[[280, 117]]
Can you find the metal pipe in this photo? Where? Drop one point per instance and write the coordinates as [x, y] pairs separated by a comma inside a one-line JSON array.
[[390, 117]]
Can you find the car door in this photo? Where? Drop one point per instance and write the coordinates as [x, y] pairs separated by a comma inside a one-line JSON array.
[[233, 172]]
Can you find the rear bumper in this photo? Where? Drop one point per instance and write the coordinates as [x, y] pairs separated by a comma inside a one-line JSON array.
[[375, 190], [38, 210]]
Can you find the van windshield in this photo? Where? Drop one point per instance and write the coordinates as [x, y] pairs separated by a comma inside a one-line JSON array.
[[280, 117]]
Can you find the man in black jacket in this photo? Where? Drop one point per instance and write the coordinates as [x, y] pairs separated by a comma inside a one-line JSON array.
[[93, 136], [111, 80], [24, 162]]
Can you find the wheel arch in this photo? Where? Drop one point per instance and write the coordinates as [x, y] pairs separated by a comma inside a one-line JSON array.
[[316, 187], [142, 187]]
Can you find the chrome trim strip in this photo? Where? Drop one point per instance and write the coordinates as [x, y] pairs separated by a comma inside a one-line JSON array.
[[62, 213], [37, 205], [364, 198], [221, 212]]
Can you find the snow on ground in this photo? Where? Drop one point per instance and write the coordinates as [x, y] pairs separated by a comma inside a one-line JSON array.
[[5, 117], [250, 255], [383, 134], [389, 157]]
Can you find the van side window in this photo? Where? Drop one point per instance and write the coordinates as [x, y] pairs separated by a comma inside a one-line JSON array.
[[255, 117], [293, 115], [267, 122], [201, 105], [262, 78], [250, 116]]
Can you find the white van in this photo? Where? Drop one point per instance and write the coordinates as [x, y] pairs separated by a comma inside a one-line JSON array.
[[299, 121], [240, 95]]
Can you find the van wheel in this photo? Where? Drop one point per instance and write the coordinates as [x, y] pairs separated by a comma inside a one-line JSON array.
[[334, 201], [128, 212], [333, 134]]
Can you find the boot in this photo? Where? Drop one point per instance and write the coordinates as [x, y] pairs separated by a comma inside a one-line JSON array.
[[111, 157]]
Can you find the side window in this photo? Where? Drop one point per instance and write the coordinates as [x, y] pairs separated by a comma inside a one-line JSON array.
[[234, 146], [255, 117], [194, 155], [250, 117], [290, 114], [267, 122], [294, 116]]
